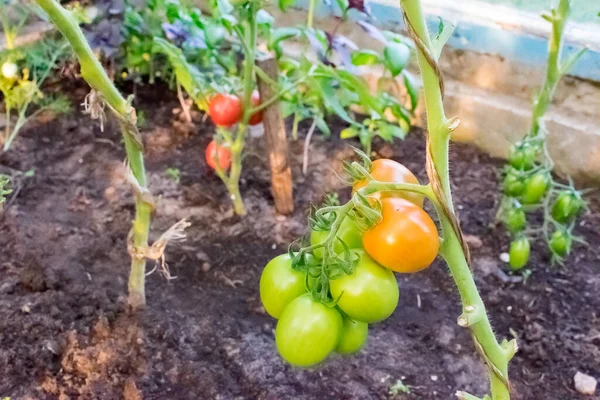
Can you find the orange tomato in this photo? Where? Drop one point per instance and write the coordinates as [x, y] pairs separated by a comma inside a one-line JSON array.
[[225, 109], [406, 240], [216, 152], [385, 170]]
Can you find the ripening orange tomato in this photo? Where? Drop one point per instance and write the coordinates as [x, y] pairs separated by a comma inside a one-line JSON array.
[[406, 240], [385, 170]]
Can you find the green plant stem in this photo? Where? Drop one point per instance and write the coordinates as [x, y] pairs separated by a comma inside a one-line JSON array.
[[21, 120], [232, 180], [558, 18], [311, 12], [96, 77], [474, 314], [9, 34]]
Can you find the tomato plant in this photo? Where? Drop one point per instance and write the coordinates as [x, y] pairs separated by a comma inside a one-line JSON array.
[[225, 109], [528, 181], [560, 243], [23, 72], [369, 294], [348, 236], [519, 253], [218, 155], [280, 284], [567, 206], [385, 170], [353, 338], [406, 240], [536, 188], [307, 331]]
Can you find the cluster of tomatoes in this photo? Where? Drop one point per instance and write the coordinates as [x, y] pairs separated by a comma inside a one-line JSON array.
[[226, 110], [527, 185], [311, 326]]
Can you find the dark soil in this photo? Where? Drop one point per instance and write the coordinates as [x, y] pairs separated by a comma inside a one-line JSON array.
[[64, 327]]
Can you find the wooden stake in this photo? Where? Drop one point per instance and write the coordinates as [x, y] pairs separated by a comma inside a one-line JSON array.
[[276, 141]]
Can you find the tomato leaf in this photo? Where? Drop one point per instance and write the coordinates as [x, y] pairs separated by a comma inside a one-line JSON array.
[[396, 56], [285, 4], [412, 87], [331, 101], [571, 60], [264, 18], [439, 40], [322, 125], [365, 57], [349, 133], [373, 31]]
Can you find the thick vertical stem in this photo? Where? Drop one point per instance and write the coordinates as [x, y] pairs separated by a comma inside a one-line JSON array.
[[558, 18], [474, 314], [311, 13], [95, 75], [232, 181]]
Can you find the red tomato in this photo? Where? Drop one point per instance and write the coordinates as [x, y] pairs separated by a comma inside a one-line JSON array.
[[406, 240], [216, 152], [225, 109], [257, 118]]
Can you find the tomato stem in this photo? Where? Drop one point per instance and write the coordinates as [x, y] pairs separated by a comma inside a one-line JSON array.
[[474, 314], [95, 75], [558, 19]]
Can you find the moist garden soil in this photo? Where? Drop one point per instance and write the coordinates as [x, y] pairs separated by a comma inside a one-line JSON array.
[[66, 333]]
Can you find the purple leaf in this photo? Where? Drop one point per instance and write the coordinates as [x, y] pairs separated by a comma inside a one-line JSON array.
[[373, 31]]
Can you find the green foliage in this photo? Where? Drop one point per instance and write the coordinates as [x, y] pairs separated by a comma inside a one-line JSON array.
[[4, 189], [174, 174], [399, 387], [24, 70]]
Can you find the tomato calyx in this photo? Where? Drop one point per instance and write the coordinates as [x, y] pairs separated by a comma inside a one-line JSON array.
[[359, 171]]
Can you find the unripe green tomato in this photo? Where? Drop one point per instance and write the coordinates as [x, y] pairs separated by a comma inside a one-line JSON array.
[[370, 294], [519, 253], [280, 284], [567, 206], [522, 156], [348, 232], [560, 243], [9, 70], [513, 184], [308, 331], [515, 220], [536, 188], [354, 336]]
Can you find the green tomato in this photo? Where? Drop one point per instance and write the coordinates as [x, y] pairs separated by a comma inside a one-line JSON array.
[[348, 232], [308, 331], [513, 184], [280, 284], [354, 336], [560, 243], [567, 206], [535, 188], [370, 294], [522, 156], [515, 220], [519, 253]]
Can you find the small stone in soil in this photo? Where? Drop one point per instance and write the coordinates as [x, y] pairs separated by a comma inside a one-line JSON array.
[[584, 383]]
